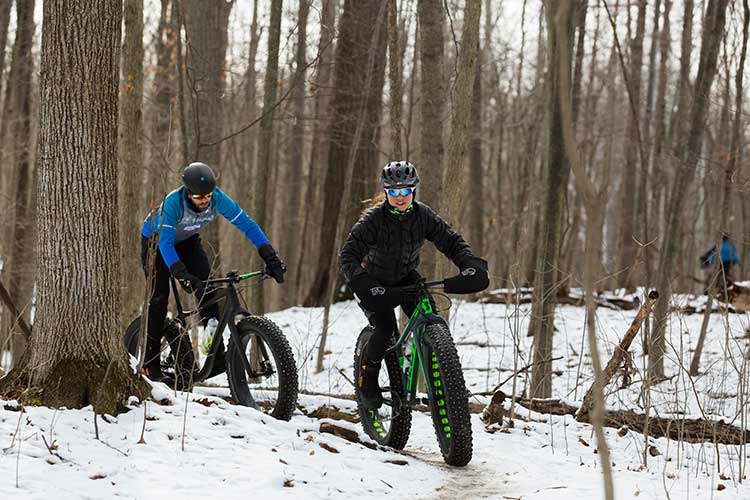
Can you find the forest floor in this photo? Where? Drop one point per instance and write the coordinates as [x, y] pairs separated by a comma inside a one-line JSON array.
[[198, 445]]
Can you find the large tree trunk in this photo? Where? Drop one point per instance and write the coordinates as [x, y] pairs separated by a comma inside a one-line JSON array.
[[555, 188], [433, 96], [712, 34], [265, 135], [131, 155], [206, 28], [314, 194], [353, 95], [21, 265], [632, 154], [76, 356]]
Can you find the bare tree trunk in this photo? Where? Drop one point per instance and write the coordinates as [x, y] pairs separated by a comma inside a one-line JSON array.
[[131, 156], [76, 356], [20, 268], [632, 148], [265, 135], [314, 195], [294, 184], [555, 188], [712, 33], [352, 93], [206, 27]]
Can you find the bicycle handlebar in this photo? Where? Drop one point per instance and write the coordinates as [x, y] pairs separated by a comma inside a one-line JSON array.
[[419, 285], [234, 277]]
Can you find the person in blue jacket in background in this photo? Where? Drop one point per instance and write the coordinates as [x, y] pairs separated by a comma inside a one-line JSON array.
[[178, 221], [729, 258]]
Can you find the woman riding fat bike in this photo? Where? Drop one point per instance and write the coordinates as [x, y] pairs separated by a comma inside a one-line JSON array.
[[379, 261]]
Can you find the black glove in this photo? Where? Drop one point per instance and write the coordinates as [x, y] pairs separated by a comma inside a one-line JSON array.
[[473, 277], [372, 295], [274, 265], [190, 282]]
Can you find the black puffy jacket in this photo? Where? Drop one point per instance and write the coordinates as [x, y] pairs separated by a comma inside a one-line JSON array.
[[387, 245]]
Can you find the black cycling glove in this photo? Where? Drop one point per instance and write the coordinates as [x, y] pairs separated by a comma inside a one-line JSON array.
[[274, 265], [188, 281], [372, 295], [473, 277]]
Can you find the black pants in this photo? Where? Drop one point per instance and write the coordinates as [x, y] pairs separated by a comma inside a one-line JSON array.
[[196, 261], [385, 324]]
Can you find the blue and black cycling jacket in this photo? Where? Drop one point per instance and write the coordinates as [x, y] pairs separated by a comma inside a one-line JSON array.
[[175, 220]]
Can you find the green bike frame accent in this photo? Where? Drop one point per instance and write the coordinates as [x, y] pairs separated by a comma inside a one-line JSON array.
[[421, 361]]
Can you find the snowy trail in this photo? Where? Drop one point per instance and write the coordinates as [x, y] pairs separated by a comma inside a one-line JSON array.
[[476, 480]]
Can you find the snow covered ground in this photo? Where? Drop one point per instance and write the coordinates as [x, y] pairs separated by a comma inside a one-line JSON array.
[[234, 452]]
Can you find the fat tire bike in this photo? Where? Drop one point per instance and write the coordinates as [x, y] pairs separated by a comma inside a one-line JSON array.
[[259, 365], [425, 348]]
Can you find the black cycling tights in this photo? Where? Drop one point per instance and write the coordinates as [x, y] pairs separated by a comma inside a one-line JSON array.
[[191, 253]]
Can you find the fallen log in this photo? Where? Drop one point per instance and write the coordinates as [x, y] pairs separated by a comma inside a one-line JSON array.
[[620, 352], [690, 430]]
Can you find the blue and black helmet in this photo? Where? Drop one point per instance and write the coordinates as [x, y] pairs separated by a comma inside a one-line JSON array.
[[399, 173], [198, 178]]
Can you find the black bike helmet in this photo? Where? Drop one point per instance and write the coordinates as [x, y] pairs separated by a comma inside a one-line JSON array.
[[198, 178], [399, 173]]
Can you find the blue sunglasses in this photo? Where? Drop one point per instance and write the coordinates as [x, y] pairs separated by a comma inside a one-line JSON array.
[[400, 191]]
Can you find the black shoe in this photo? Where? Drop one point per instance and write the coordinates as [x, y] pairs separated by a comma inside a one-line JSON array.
[[369, 390]]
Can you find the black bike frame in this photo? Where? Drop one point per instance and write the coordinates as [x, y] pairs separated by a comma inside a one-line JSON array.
[[229, 312], [422, 316]]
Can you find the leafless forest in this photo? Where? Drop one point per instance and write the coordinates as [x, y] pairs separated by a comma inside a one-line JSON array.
[[595, 144]]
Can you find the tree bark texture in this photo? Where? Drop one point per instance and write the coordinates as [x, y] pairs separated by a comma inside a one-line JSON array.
[[76, 355], [711, 39], [433, 97], [131, 157], [353, 95]]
